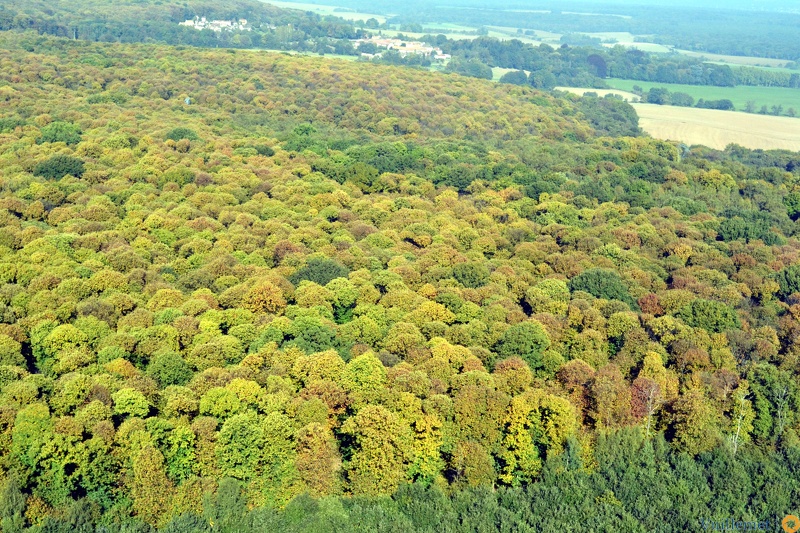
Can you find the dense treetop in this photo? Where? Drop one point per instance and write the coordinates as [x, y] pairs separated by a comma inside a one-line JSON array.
[[333, 278]]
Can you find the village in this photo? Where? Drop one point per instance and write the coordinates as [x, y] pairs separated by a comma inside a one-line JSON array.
[[201, 23], [400, 46]]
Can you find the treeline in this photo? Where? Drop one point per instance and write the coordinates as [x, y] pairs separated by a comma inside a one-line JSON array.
[[662, 96], [548, 67], [635, 485], [232, 278]]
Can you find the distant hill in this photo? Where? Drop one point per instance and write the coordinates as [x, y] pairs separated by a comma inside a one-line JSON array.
[[155, 21]]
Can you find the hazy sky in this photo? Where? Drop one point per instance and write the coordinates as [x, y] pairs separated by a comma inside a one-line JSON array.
[[770, 5], [778, 5]]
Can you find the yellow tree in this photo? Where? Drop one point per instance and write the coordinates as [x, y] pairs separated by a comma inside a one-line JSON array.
[[318, 460], [380, 452], [151, 489]]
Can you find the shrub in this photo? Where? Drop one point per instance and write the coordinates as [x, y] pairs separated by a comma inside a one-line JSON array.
[[59, 166]]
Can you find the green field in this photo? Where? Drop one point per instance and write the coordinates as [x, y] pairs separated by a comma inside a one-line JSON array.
[[768, 96]]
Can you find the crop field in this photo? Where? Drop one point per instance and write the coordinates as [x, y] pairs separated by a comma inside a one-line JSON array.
[[737, 60], [717, 129], [740, 95]]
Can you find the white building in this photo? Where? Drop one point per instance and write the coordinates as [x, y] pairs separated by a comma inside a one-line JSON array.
[[201, 23]]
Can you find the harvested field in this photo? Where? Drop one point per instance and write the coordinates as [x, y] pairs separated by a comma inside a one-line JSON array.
[[717, 129]]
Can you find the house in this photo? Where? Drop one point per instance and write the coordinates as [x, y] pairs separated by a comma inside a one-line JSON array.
[[404, 48]]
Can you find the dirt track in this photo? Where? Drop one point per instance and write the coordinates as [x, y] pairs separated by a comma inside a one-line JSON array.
[[717, 129]]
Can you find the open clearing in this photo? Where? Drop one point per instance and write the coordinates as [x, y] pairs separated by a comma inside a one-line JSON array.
[[718, 129]]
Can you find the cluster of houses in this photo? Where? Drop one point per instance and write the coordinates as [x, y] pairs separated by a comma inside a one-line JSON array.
[[201, 23], [402, 47]]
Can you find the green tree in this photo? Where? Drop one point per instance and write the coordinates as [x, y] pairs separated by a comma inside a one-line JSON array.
[[169, 368], [788, 280], [12, 506], [151, 490], [60, 132], [602, 283], [131, 402], [319, 270], [58, 166], [240, 446], [527, 340], [714, 317], [32, 429], [176, 134], [515, 77], [471, 275], [694, 423], [792, 203], [220, 402], [364, 378], [227, 508]]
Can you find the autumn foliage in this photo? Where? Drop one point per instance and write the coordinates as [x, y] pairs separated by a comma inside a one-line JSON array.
[[494, 292]]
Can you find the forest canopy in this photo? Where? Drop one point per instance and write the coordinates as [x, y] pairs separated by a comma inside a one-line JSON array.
[[270, 291]]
